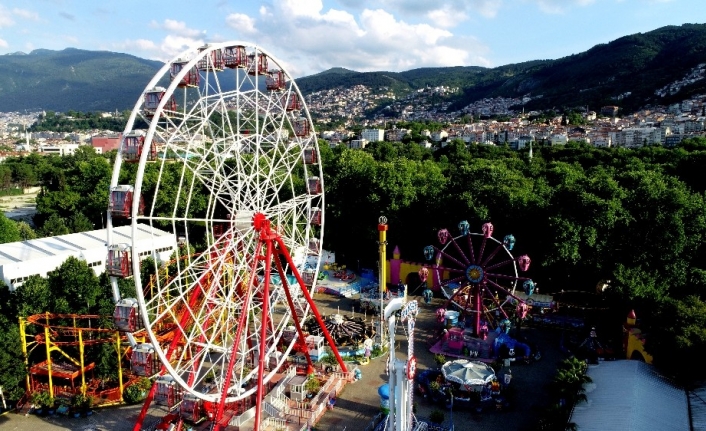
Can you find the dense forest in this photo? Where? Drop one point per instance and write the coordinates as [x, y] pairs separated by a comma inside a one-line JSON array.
[[583, 214]]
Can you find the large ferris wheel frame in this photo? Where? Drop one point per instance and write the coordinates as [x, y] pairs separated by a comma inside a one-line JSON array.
[[222, 306]]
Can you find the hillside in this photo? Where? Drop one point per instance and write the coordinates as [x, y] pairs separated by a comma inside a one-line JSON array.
[[638, 64], [72, 79], [627, 72]]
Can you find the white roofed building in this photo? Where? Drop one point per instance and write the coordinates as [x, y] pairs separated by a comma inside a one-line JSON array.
[[22, 259]]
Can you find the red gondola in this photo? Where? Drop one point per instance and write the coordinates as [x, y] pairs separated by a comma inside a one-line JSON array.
[[191, 79], [152, 99], [119, 261], [291, 102], [275, 80], [315, 216], [302, 127], [167, 392], [314, 185], [126, 316], [132, 145], [191, 408], [314, 246], [120, 205], [310, 156], [308, 277], [235, 57], [211, 62], [257, 64], [144, 361]]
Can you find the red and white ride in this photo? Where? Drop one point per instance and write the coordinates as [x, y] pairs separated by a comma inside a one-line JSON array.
[[229, 165]]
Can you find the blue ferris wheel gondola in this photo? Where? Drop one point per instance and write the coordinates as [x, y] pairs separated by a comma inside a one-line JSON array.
[[428, 252], [464, 227], [509, 242]]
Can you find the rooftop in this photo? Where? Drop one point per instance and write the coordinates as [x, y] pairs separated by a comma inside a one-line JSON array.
[[66, 245]]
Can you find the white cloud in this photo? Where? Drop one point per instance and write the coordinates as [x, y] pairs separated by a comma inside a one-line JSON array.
[[71, 39], [141, 47], [447, 17], [3, 44], [560, 6], [177, 27], [26, 14], [5, 20], [173, 45], [460, 9], [313, 39], [241, 23]]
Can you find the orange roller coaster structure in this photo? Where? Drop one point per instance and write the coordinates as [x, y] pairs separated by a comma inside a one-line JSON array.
[[54, 348]]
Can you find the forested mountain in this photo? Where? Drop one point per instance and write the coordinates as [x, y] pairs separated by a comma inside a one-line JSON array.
[[638, 64], [626, 72], [72, 79]]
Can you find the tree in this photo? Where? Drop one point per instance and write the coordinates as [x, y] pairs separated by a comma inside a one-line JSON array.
[[34, 297], [5, 177], [78, 284], [25, 175], [9, 231], [25, 230], [54, 226]]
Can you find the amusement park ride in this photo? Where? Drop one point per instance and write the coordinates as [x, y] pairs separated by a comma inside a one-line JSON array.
[[478, 275], [217, 167]]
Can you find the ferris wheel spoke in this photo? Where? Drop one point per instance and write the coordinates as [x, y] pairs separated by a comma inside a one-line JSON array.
[[492, 254], [449, 269], [482, 249], [500, 264], [448, 256], [470, 248], [504, 290], [460, 252], [512, 278], [495, 301]]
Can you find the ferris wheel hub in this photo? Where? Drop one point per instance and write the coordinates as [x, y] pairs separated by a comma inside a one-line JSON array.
[[475, 274], [260, 222]]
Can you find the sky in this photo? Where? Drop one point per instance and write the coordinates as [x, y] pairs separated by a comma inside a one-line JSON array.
[[310, 36]]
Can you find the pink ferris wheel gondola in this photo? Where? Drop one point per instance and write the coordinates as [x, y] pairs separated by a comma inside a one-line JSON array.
[[478, 274]]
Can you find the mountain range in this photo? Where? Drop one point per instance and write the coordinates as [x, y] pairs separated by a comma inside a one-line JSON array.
[[657, 67]]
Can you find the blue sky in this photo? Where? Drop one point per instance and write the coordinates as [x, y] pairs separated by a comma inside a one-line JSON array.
[[309, 36]]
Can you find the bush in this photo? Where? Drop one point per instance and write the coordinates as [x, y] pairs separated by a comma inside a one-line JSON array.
[[437, 416], [41, 399], [133, 394]]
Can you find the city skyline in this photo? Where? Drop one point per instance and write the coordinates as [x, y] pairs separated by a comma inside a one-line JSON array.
[[310, 36]]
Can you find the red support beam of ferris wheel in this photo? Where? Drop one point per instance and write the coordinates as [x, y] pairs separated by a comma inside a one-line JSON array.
[[263, 330], [290, 302], [183, 320], [236, 343], [283, 251]]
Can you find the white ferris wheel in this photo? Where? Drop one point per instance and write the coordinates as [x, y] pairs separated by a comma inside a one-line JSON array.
[[220, 138]]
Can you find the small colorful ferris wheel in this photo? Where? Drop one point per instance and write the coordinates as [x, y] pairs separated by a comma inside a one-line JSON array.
[[478, 274]]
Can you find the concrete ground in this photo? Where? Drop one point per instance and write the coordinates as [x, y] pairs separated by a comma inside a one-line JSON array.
[[359, 402]]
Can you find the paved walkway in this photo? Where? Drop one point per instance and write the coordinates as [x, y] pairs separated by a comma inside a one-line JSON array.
[[358, 404]]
